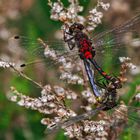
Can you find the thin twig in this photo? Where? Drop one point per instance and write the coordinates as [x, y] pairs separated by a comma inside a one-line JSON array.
[[26, 77]]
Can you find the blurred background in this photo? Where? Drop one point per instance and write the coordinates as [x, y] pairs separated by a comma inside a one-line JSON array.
[[31, 18]]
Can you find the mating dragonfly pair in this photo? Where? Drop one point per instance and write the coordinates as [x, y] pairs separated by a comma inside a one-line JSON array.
[[76, 37]]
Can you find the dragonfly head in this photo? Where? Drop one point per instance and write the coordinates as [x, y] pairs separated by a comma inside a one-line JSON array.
[[76, 27]]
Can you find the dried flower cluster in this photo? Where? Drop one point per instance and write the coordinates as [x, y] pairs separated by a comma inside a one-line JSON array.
[[48, 103], [95, 16], [59, 12], [71, 13], [88, 96], [126, 63], [6, 64], [137, 97], [52, 103]]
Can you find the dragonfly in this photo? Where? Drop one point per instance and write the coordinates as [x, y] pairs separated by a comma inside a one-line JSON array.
[[86, 49], [87, 53]]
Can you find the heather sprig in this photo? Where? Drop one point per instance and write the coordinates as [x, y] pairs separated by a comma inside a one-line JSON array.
[[71, 13]]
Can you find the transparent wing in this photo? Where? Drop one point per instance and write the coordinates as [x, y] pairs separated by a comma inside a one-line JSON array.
[[34, 50], [72, 120], [114, 37], [34, 47], [122, 41], [119, 116], [132, 119], [118, 42]]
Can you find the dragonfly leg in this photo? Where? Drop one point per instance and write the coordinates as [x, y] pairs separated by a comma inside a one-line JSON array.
[[71, 45], [101, 85]]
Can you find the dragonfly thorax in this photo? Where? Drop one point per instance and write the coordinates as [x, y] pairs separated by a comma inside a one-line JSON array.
[[78, 38]]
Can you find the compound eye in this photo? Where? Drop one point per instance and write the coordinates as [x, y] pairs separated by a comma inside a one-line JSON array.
[[81, 27], [71, 30]]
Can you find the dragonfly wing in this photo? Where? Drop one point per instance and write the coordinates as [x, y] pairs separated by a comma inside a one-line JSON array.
[[111, 44], [132, 128], [116, 120], [91, 78], [129, 116], [38, 51], [34, 47], [114, 43], [114, 36], [74, 120]]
